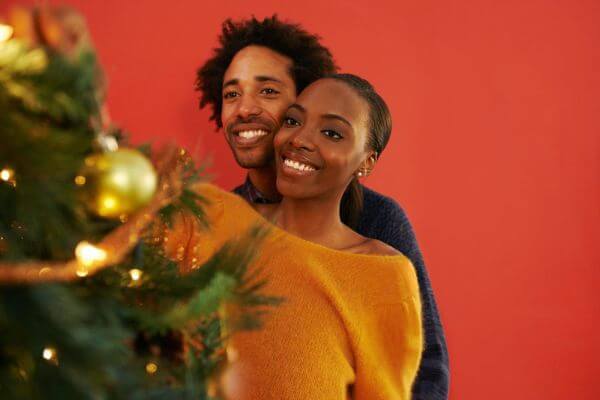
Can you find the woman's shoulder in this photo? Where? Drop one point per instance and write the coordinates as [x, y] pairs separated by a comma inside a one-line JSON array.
[[210, 191], [395, 273], [212, 194], [234, 213], [378, 247]]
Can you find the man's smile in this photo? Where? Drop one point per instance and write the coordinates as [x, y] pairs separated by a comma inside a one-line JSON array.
[[249, 134]]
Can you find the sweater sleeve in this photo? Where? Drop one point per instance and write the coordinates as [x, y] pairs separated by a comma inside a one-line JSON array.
[[385, 220], [390, 351]]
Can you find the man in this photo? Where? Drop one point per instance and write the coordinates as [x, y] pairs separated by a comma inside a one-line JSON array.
[[250, 81]]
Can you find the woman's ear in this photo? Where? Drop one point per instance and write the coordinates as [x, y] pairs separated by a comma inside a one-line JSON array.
[[366, 167]]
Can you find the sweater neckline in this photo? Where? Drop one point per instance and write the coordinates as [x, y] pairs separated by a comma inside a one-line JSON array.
[[319, 247]]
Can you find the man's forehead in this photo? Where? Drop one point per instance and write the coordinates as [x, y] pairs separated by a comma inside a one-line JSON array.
[[260, 64]]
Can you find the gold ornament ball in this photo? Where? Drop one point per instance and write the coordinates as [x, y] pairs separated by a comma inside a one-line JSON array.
[[118, 183]]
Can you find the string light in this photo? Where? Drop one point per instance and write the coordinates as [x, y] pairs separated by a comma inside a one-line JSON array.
[[80, 180], [82, 272], [8, 175], [135, 274], [49, 354], [151, 368], [87, 256], [6, 32]]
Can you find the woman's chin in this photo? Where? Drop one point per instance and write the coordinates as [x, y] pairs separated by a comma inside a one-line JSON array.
[[292, 190]]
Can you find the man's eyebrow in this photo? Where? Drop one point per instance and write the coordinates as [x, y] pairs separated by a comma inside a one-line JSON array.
[[259, 78], [338, 117], [230, 82], [265, 78]]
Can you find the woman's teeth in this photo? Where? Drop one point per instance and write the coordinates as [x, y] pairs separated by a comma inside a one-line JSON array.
[[298, 166], [252, 134]]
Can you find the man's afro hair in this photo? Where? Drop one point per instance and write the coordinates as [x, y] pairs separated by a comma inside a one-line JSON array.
[[311, 60]]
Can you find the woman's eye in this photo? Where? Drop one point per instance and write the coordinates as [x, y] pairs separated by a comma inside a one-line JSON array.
[[289, 121], [269, 91], [332, 134], [230, 95]]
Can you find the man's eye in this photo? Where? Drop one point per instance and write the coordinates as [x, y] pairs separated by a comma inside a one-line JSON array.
[[289, 121], [332, 134], [230, 95], [269, 91]]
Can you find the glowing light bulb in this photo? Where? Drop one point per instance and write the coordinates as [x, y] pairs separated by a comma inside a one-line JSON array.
[[6, 174], [80, 180], [49, 354], [87, 256], [82, 272], [6, 32], [135, 274], [151, 368]]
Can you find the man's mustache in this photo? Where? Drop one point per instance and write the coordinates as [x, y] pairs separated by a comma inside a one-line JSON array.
[[266, 123]]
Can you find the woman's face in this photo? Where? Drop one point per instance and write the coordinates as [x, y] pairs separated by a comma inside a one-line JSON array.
[[322, 141]]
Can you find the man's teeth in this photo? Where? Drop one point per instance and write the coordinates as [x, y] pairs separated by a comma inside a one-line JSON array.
[[252, 134], [297, 165]]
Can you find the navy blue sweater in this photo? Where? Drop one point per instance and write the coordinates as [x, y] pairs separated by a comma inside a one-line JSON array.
[[383, 219]]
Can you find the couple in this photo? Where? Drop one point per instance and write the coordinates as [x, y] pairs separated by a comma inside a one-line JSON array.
[[352, 323]]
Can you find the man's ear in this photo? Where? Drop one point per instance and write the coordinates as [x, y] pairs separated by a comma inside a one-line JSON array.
[[366, 167]]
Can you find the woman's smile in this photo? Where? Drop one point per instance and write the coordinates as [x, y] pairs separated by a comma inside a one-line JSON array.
[[296, 164]]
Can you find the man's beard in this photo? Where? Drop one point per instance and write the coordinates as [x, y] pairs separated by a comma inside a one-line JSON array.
[[261, 156], [264, 160]]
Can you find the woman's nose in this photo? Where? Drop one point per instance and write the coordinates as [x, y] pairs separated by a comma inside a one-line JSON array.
[[302, 140]]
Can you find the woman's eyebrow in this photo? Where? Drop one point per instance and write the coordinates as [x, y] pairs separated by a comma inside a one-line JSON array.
[[326, 116], [297, 107], [338, 117]]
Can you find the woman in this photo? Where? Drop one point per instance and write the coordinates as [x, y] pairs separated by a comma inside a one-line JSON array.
[[350, 327]]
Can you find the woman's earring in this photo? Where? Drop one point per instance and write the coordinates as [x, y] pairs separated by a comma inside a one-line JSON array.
[[359, 173]]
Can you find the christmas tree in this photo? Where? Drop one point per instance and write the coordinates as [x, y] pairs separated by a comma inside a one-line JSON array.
[[94, 303]]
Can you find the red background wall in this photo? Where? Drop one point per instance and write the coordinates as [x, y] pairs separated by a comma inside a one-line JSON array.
[[495, 156]]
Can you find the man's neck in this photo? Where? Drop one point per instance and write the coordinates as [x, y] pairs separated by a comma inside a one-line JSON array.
[[265, 180]]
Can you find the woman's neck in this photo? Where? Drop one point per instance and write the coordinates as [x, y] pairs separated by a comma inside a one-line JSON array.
[[316, 219]]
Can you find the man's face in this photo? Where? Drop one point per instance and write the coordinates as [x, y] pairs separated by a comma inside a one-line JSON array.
[[257, 90]]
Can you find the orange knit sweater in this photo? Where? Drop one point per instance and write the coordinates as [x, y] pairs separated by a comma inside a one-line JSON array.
[[350, 327]]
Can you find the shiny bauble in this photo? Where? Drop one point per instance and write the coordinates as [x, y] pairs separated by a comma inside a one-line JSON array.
[[117, 183]]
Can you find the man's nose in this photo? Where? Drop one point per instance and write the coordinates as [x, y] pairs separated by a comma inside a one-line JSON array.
[[248, 106]]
